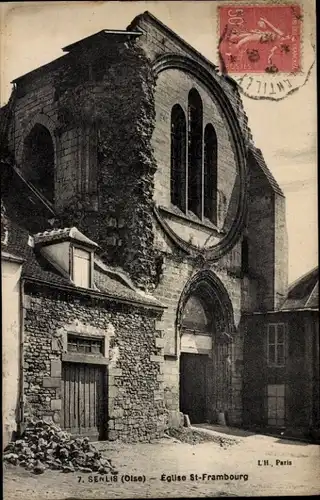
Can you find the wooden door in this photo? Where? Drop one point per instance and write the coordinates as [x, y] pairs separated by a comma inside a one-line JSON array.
[[193, 386], [84, 405]]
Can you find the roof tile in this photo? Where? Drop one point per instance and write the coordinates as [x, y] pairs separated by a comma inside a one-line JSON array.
[[36, 266], [68, 233]]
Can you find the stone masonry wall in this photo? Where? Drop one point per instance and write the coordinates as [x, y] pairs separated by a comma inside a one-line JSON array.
[[261, 237], [134, 349], [268, 241], [35, 103], [261, 285], [172, 87], [78, 106], [101, 127], [157, 41], [281, 251], [177, 271]]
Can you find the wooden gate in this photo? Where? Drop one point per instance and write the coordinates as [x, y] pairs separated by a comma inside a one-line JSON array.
[[84, 402]]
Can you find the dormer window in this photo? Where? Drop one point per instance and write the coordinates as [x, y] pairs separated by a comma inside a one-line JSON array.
[[82, 267], [70, 252]]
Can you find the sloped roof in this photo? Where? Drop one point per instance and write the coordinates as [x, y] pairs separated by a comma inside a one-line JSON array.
[[24, 203], [304, 292], [106, 277], [36, 267], [260, 161], [65, 234], [113, 285]]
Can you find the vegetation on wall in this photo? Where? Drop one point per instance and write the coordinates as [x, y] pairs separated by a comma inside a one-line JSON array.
[[114, 95]]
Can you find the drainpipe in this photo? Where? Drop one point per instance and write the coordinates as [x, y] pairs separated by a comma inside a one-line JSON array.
[[21, 423]]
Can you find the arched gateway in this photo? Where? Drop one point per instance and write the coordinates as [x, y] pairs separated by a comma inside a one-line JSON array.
[[205, 327]]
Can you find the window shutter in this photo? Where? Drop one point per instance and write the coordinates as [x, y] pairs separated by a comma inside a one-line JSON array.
[[81, 268]]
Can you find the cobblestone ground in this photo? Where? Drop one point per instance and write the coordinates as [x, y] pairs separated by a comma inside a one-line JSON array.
[[299, 476]]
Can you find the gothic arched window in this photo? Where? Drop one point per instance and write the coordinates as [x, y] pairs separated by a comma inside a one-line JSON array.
[[194, 178], [178, 157], [210, 174], [195, 117]]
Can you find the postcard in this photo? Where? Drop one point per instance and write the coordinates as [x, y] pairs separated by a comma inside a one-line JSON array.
[[159, 255]]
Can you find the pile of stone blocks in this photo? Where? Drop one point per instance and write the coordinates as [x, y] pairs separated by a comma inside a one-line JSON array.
[[46, 446]]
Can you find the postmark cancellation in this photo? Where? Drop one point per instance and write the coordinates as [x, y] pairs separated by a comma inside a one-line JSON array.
[[264, 48]]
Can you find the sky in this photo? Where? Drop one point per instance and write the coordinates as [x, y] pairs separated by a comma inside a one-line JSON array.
[[33, 33]]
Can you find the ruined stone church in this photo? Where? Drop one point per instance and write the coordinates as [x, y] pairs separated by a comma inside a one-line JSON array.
[[141, 226]]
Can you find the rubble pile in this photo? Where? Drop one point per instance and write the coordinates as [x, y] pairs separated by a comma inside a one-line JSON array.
[[46, 446], [191, 436]]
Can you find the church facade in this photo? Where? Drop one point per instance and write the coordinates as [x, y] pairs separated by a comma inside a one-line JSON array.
[[139, 142]]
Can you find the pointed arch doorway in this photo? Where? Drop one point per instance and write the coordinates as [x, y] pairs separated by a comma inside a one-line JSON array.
[[195, 358], [205, 326]]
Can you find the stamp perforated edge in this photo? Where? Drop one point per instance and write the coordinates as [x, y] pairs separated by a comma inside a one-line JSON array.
[[263, 3]]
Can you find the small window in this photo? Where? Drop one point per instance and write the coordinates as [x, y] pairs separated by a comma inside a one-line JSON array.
[[83, 345], [276, 344], [81, 267]]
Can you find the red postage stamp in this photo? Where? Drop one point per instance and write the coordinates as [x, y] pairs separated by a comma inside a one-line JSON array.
[[260, 38]]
